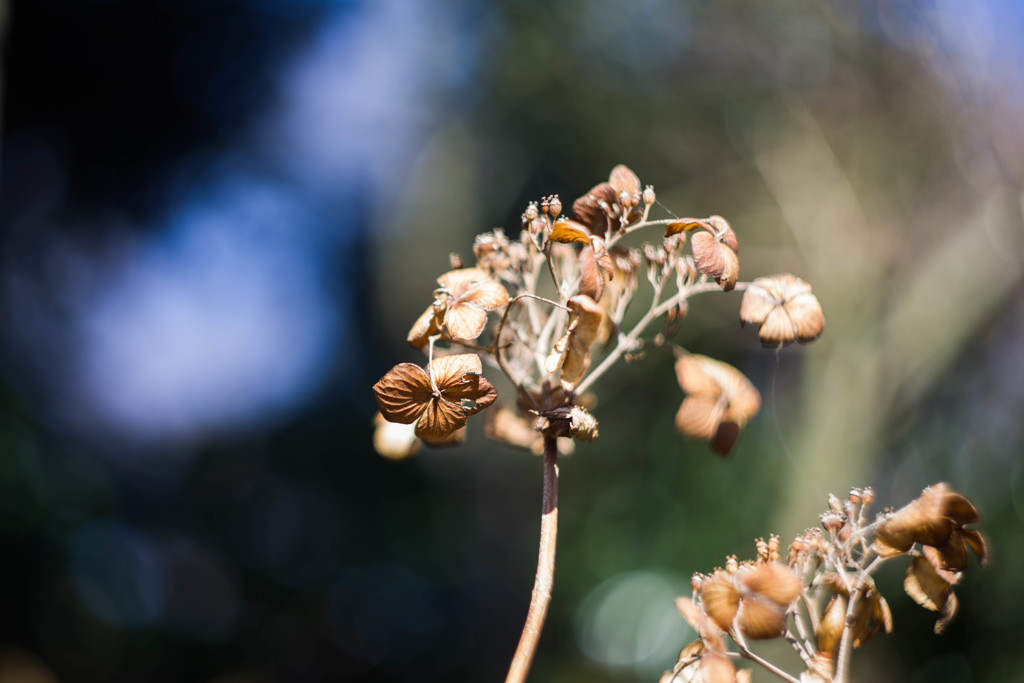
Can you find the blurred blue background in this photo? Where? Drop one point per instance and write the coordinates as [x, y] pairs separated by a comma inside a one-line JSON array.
[[220, 218]]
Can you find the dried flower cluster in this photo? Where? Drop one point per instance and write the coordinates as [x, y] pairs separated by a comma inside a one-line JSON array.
[[548, 310], [541, 307], [822, 598]]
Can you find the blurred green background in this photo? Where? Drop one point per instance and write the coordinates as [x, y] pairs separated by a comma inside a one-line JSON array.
[[221, 217]]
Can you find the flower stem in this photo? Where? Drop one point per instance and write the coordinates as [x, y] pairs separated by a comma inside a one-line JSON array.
[[542, 584]]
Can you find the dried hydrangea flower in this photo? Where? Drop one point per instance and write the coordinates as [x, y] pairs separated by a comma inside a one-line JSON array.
[[592, 209], [784, 309], [439, 399], [718, 404], [460, 306], [754, 599], [936, 518]]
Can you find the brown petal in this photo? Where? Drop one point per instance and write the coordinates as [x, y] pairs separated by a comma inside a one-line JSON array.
[[591, 278], [458, 378], [457, 282], [588, 209], [464, 321], [588, 320], [808, 319], [947, 613], [486, 294], [557, 355], [403, 393], [440, 419], [925, 586], [622, 179], [568, 231], [868, 620], [684, 225], [425, 327], [761, 619], [698, 417], [715, 259], [449, 371], [773, 581], [958, 508], [694, 378], [977, 543], [720, 600], [830, 628], [951, 556], [725, 438], [724, 233]]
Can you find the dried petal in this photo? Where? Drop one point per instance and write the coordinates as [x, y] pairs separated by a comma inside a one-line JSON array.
[[471, 293], [721, 600], [830, 629], [761, 619], [690, 612], [716, 260], [773, 581], [977, 543], [699, 417], [403, 393], [440, 418], [622, 179], [588, 209], [923, 584], [568, 231], [591, 278], [582, 333], [684, 225], [424, 328], [464, 321]]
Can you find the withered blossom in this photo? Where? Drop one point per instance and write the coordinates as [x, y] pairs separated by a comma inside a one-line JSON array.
[[784, 309], [460, 306], [718, 404], [936, 518], [715, 247], [439, 399], [571, 353], [594, 208], [491, 251], [753, 599]]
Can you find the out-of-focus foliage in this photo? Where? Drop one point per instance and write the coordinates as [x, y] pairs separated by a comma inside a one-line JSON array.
[[217, 220]]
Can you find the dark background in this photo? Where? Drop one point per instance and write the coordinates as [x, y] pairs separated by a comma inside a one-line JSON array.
[[220, 218]]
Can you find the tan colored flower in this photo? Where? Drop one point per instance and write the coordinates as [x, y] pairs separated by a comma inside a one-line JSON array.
[[753, 599], [715, 247], [718, 404], [784, 309], [571, 353], [936, 518], [460, 306], [439, 399]]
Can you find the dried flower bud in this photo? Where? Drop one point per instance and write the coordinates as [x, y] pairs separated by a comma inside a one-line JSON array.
[[454, 261], [832, 521], [649, 195], [538, 225], [867, 495], [554, 206], [762, 548], [731, 564], [834, 503], [531, 211], [571, 421], [773, 548], [855, 496]]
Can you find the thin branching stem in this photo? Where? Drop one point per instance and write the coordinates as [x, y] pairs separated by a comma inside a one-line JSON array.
[[541, 597], [746, 652]]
